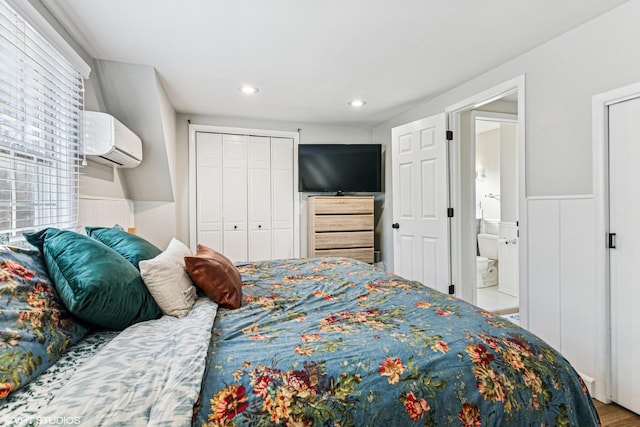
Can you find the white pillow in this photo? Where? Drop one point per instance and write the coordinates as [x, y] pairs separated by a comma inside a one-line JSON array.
[[168, 281]]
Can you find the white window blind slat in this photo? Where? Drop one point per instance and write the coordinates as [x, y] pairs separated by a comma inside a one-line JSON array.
[[40, 118]]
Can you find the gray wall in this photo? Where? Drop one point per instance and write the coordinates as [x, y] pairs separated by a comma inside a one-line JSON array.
[[134, 95]]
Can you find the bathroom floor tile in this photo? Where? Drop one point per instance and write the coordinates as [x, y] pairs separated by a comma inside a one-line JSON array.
[[491, 299]]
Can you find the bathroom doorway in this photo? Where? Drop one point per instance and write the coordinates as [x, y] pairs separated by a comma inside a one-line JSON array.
[[496, 207], [505, 98]]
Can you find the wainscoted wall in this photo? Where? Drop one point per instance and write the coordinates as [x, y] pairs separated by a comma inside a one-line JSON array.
[[562, 303], [105, 212]]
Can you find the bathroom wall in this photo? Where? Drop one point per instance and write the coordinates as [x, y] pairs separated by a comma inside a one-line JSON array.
[[496, 159], [488, 169], [508, 172]]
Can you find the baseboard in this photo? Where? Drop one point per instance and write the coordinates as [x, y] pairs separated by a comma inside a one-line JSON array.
[[506, 311], [589, 382]]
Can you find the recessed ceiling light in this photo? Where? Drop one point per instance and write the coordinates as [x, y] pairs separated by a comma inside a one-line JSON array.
[[249, 90], [357, 103]]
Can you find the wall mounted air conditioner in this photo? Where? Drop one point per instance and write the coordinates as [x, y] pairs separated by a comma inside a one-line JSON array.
[[108, 141]]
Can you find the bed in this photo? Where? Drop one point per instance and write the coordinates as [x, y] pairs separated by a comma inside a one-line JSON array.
[[327, 341]]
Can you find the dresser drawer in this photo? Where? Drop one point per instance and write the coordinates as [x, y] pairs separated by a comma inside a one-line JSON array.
[[344, 222], [353, 239], [343, 205], [364, 254]]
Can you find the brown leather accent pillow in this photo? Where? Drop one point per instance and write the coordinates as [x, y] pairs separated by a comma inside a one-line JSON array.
[[216, 276]]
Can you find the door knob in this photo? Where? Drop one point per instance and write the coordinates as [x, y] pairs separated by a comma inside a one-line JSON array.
[[395, 225]]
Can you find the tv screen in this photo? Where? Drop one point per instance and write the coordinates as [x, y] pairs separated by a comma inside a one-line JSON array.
[[339, 168]]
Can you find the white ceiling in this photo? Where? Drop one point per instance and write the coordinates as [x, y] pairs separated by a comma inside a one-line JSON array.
[[310, 57]]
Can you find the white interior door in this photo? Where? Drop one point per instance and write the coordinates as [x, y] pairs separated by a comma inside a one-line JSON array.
[[624, 214], [420, 201]]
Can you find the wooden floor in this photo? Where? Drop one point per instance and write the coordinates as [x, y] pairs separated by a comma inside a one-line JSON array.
[[612, 415]]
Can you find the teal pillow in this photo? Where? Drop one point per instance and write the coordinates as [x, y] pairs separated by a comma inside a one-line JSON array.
[[95, 283], [133, 248], [35, 327]]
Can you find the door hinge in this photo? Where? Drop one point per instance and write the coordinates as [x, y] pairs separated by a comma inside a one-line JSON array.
[[612, 240], [449, 135], [449, 212], [452, 289]]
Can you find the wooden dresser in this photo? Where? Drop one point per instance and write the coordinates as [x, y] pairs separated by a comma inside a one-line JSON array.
[[340, 226]]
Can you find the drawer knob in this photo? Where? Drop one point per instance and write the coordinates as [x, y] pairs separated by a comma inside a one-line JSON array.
[[395, 225]]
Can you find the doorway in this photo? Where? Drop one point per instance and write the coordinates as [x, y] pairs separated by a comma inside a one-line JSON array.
[[508, 97], [615, 133], [494, 137], [440, 190]]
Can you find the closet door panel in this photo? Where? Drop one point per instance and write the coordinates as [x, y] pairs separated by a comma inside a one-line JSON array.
[[234, 203], [234, 196], [259, 175], [260, 245], [282, 196], [235, 245], [282, 244], [259, 198], [209, 189]]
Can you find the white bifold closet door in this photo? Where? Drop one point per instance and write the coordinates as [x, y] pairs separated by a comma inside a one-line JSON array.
[[624, 221], [244, 191]]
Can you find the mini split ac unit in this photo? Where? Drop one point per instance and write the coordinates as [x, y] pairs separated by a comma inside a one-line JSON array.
[[108, 141]]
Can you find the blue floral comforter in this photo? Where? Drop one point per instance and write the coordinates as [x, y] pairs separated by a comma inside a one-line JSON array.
[[337, 342]]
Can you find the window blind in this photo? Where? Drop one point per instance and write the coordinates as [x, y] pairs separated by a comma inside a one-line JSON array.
[[40, 131]]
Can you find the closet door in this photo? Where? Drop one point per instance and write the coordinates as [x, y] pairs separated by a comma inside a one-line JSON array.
[[624, 211], [259, 198], [209, 189], [282, 197], [234, 196]]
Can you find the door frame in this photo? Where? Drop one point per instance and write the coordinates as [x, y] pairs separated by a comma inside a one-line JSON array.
[[497, 118], [600, 129], [195, 128], [454, 114]]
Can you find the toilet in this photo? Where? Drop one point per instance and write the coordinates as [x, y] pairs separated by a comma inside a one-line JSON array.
[[487, 261]]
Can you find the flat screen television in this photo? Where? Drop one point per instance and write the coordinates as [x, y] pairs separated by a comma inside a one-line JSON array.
[[339, 168]]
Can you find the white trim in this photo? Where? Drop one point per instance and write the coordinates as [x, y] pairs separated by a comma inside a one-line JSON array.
[[244, 131], [515, 85], [495, 117], [194, 128], [600, 128], [588, 382], [104, 198], [573, 197], [40, 24]]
